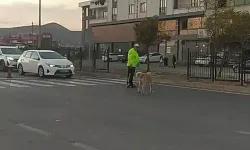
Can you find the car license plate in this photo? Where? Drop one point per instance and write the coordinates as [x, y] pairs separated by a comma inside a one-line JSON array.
[[64, 71]]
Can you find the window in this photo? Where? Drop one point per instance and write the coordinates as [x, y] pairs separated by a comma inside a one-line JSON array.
[[11, 51], [143, 7], [86, 24], [50, 55], [28, 54], [105, 14], [132, 9], [87, 12], [34, 55], [241, 2], [195, 3], [93, 13], [183, 23], [114, 1], [114, 11], [163, 6]]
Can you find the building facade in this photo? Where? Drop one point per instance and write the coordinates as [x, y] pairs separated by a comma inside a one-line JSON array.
[[111, 25]]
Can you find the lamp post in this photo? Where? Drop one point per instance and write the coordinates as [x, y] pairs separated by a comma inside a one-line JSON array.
[[39, 13]]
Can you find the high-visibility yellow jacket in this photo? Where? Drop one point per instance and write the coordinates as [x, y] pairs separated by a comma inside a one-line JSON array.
[[133, 58]]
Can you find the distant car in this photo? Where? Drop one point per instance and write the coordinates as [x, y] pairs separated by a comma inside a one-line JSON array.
[[45, 63], [153, 57], [246, 68], [9, 56], [207, 60], [112, 57]]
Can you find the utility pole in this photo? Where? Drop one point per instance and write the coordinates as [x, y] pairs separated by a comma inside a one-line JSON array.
[[137, 9], [40, 18], [32, 29]]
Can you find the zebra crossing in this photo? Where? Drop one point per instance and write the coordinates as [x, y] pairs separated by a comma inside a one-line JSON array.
[[48, 83]]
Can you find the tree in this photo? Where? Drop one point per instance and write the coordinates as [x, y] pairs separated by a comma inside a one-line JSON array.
[[147, 34]]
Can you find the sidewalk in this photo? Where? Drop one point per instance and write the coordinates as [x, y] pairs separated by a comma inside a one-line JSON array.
[[177, 80]]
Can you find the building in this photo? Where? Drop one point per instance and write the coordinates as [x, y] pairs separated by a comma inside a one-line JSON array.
[[112, 23]]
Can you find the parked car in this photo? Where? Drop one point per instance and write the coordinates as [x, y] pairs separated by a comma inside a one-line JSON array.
[[112, 57], [246, 68], [9, 56], [153, 57], [206, 60], [45, 63]]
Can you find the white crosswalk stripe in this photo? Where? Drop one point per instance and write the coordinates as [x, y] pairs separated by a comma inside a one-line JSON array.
[[31, 83], [8, 83], [75, 82], [20, 83], [101, 80], [51, 82], [94, 82]]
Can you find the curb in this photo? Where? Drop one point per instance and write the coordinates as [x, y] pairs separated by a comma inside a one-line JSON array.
[[185, 84]]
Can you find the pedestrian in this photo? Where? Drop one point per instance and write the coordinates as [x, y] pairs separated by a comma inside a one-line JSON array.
[[165, 61], [133, 60], [174, 60], [161, 64]]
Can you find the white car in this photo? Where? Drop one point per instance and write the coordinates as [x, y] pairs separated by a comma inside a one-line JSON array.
[[45, 63], [112, 57], [9, 56], [153, 57]]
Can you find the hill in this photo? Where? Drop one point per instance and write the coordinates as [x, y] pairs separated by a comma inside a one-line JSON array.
[[60, 33]]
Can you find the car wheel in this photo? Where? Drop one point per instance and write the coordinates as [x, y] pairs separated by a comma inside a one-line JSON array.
[[20, 70], [236, 69], [41, 71], [110, 59], [146, 61], [2, 66]]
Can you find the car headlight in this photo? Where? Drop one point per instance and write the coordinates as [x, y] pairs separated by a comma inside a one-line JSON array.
[[10, 58], [71, 65], [50, 65]]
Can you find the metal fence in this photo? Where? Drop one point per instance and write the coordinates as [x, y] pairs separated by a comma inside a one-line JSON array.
[[218, 67]]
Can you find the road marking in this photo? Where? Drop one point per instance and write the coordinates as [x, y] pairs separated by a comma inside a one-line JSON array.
[[94, 82], [31, 129], [50, 82], [30, 83], [13, 84], [1, 87], [109, 81], [243, 132], [83, 146], [202, 89], [72, 82]]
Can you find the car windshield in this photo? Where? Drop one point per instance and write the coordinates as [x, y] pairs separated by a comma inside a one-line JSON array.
[[50, 55], [11, 51]]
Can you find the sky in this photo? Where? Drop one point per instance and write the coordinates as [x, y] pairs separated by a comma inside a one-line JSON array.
[[14, 13]]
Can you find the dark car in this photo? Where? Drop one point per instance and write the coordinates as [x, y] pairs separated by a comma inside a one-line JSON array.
[[246, 67]]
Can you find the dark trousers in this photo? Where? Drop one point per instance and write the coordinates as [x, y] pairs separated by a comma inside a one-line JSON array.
[[131, 72]]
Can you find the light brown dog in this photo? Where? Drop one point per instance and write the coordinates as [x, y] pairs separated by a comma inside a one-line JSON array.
[[144, 79]]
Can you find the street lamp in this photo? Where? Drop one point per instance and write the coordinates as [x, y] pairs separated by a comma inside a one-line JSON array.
[[39, 13]]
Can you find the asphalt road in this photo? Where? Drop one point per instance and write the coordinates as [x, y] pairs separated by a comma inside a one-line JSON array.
[[101, 114]]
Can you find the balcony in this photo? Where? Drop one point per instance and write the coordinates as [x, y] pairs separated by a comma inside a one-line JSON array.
[[94, 6], [187, 8]]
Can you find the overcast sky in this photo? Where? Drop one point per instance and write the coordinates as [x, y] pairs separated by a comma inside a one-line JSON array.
[[23, 12]]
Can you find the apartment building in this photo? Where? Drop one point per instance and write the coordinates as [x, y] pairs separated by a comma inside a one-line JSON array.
[[112, 23]]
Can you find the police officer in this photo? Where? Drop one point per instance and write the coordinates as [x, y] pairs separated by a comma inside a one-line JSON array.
[[133, 60]]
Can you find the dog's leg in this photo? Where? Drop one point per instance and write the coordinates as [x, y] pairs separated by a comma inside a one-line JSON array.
[[150, 88], [139, 86], [142, 89]]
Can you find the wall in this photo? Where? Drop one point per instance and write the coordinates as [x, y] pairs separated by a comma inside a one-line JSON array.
[[117, 33]]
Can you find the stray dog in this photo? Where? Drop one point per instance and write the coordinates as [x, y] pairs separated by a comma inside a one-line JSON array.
[[144, 79]]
